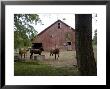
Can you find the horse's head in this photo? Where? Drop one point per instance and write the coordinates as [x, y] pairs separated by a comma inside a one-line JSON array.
[[41, 49], [27, 49]]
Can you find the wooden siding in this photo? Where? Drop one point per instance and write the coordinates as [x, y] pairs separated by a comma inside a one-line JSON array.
[[53, 37]]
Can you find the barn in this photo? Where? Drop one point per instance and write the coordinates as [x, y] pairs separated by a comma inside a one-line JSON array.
[[57, 35]]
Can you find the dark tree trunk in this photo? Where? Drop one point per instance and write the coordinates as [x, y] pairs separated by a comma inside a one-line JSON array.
[[84, 50]]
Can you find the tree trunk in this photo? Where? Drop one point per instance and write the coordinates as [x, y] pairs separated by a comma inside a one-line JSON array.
[[84, 50]]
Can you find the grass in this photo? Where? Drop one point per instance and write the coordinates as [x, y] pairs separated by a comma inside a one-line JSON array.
[[39, 69]]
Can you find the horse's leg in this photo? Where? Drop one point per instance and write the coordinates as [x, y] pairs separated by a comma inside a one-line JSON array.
[[58, 54], [31, 55], [24, 55], [55, 56], [21, 56], [39, 53]]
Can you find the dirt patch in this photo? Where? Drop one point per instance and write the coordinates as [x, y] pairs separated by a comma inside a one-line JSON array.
[[66, 59]]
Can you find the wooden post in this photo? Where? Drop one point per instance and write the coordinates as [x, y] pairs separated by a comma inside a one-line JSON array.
[[84, 50], [35, 57], [39, 57]]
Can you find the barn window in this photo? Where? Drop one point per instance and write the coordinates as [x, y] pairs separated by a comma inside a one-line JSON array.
[[51, 36], [69, 43], [59, 25]]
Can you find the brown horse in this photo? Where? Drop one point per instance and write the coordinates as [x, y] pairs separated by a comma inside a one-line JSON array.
[[55, 51], [23, 51], [36, 51]]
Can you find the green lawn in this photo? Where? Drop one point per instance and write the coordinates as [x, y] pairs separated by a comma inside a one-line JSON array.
[[39, 69]]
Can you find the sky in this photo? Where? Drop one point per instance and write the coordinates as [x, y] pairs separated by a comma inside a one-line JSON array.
[[49, 18]]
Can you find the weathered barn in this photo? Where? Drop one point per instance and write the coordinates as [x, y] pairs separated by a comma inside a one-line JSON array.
[[59, 35]]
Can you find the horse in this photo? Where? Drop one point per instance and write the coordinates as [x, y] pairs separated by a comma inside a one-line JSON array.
[[55, 51], [23, 51], [36, 51]]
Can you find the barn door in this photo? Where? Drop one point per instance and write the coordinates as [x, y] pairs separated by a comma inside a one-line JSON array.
[[36, 45], [69, 46], [68, 38]]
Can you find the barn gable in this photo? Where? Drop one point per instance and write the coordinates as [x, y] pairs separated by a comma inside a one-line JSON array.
[[54, 24], [59, 34]]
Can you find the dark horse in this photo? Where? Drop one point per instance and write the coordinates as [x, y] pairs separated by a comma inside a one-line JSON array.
[[36, 51], [54, 51]]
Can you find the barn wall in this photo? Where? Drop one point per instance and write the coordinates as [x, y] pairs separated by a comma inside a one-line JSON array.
[[54, 37]]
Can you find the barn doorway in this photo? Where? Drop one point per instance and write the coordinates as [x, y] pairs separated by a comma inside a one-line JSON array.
[[69, 46], [36, 45], [69, 43]]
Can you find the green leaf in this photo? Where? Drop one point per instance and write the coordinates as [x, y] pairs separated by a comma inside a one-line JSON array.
[[23, 29]]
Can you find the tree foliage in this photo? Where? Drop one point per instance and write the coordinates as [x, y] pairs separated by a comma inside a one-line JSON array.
[[95, 37], [24, 31]]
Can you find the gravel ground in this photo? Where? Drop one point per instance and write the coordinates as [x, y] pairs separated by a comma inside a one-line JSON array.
[[66, 59]]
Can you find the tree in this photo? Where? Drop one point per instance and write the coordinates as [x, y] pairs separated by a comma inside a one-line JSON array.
[[84, 50], [95, 37], [23, 29]]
